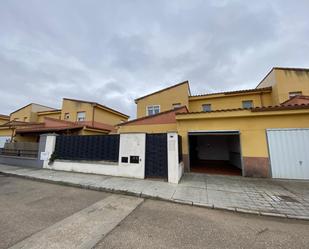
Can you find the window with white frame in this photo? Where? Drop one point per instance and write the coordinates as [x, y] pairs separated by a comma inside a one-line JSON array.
[[176, 105], [247, 104], [81, 116], [153, 109], [293, 94], [206, 107]]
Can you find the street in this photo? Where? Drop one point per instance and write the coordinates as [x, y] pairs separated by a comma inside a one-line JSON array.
[[35, 213]]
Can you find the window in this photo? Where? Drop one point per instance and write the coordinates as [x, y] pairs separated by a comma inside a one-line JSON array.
[[176, 105], [66, 116], [293, 94], [206, 107], [153, 109], [81, 116], [247, 104]]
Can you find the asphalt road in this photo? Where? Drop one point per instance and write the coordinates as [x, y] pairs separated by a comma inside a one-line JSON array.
[[157, 224], [27, 207]]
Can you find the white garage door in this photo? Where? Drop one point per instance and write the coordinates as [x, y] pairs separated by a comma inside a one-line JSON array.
[[289, 153]]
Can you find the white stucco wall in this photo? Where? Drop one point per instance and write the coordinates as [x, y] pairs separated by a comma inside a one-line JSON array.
[[49, 149], [175, 169], [130, 145]]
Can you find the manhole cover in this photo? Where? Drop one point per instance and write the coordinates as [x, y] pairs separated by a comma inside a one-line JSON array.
[[286, 198]]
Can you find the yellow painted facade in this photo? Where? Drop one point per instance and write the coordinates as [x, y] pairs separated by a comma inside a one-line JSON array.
[[3, 120], [284, 81], [252, 126], [50, 114], [230, 101], [28, 113], [93, 111], [156, 128], [70, 108], [6, 132], [178, 94], [273, 90], [85, 132], [101, 115]]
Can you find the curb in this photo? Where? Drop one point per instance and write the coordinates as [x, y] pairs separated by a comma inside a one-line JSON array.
[[177, 201]]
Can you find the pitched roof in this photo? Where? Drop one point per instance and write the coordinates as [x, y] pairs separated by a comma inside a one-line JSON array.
[[43, 112], [283, 68], [165, 117], [265, 89], [162, 90], [52, 124], [281, 108], [32, 104], [298, 99], [97, 104], [257, 109], [15, 123], [4, 116]]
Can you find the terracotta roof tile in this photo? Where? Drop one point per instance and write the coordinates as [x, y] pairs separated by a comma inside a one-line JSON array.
[[97, 104], [298, 99], [162, 90], [236, 92], [257, 109], [4, 116], [159, 118], [52, 124]]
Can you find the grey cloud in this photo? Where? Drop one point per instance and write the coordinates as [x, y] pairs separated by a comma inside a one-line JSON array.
[[114, 51]]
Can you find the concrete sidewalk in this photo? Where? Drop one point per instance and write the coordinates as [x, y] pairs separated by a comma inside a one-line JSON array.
[[289, 199]]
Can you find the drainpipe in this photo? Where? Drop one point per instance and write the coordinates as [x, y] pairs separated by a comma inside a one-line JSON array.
[[261, 99], [93, 113]]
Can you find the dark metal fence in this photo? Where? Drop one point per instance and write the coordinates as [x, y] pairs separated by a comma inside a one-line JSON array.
[[19, 153], [156, 155], [91, 148], [180, 149]]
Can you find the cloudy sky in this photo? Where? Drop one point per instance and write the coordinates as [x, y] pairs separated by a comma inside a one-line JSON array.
[[112, 51]]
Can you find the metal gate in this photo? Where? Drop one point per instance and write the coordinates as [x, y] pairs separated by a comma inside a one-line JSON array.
[[288, 151], [156, 155]]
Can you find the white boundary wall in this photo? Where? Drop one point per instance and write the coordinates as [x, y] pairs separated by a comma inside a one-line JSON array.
[[175, 169], [130, 144], [133, 144]]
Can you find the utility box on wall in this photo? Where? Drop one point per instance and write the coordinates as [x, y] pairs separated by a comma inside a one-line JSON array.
[[132, 150]]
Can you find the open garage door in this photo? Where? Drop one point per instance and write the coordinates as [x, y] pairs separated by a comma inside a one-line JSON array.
[[215, 152], [289, 153]]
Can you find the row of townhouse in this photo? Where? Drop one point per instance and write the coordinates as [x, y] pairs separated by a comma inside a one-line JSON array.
[[76, 117], [260, 132]]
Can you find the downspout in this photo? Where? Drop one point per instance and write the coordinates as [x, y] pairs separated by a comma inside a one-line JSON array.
[[261, 99], [93, 113]]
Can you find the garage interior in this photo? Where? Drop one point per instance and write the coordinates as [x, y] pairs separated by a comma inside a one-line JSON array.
[[215, 153]]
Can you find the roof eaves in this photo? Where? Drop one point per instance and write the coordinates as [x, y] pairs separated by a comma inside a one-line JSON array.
[[98, 105], [264, 89], [164, 89], [152, 116]]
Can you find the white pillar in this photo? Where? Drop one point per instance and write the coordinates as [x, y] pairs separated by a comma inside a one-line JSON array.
[[49, 148], [175, 169]]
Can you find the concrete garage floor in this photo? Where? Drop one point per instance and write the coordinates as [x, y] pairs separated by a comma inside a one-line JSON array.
[[42, 215]]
